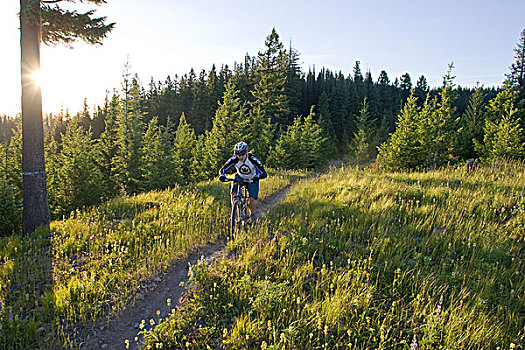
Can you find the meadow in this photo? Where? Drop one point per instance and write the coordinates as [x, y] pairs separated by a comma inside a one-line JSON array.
[[55, 285], [368, 259]]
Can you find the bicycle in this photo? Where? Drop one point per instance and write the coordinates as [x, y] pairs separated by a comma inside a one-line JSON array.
[[239, 215]]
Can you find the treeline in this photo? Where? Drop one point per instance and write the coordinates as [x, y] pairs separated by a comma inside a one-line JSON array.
[[183, 129]]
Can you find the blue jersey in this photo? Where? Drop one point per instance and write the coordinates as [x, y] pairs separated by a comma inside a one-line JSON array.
[[247, 170]]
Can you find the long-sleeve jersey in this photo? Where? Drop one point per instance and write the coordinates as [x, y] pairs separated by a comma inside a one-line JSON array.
[[247, 170]]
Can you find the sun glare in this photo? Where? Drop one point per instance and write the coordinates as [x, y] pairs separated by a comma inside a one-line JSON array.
[[37, 78]]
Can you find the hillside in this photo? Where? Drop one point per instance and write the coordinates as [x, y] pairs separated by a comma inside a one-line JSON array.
[[93, 265], [354, 258], [364, 259]]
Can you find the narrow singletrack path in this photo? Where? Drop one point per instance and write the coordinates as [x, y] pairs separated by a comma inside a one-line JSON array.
[[113, 332]]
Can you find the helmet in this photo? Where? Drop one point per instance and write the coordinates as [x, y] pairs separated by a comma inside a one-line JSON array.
[[240, 149]]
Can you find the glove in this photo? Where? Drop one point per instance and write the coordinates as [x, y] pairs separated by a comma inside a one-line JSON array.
[[222, 178], [255, 179]]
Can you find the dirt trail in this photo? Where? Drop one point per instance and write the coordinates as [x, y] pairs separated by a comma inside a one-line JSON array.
[[112, 333]]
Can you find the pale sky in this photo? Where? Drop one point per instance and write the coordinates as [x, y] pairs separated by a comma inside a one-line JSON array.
[[167, 37]]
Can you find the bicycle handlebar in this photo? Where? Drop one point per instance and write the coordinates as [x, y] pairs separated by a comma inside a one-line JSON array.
[[238, 181]]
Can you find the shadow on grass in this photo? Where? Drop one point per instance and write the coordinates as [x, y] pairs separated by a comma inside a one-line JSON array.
[[27, 317]]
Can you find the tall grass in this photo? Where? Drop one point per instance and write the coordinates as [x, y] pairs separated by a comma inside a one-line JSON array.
[[93, 263], [364, 259]]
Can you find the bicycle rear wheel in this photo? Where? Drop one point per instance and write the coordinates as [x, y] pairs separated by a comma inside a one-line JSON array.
[[236, 219]]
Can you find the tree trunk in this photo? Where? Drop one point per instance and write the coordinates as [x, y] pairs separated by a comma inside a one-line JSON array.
[[35, 206]]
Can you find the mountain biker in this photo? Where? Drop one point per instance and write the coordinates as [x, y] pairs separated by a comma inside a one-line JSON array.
[[249, 170]]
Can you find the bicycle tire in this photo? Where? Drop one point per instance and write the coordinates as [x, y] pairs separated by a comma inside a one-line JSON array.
[[236, 219]]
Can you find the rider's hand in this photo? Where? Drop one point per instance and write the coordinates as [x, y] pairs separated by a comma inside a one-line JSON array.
[[222, 178], [255, 179]]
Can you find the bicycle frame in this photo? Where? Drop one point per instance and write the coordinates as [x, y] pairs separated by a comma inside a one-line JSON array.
[[239, 207]]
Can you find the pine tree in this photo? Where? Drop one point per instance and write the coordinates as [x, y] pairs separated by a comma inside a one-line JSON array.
[[289, 150], [302, 146], [314, 143], [503, 135], [516, 77], [295, 85], [404, 149], [386, 112], [260, 132], [78, 177], [14, 159], [10, 195], [471, 126], [10, 210], [155, 158], [383, 78], [51, 25], [184, 152], [229, 127], [129, 140], [342, 105], [325, 121], [360, 148], [441, 124], [52, 153], [356, 93], [270, 100], [507, 137], [421, 90], [405, 85], [108, 147]]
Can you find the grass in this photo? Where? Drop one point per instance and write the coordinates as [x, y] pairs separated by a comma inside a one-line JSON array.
[[92, 264], [368, 259]]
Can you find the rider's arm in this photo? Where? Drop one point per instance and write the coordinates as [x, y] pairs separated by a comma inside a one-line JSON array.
[[227, 166], [261, 173]]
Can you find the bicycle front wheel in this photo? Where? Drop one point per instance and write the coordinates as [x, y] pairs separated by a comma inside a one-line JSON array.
[[236, 219]]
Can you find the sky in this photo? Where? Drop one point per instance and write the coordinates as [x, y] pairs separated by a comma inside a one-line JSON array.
[[161, 38]]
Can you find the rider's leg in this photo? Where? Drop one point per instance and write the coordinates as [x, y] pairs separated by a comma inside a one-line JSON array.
[[234, 190], [253, 190], [251, 206]]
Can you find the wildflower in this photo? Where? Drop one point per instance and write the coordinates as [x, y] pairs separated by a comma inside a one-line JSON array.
[[414, 344], [264, 346], [158, 345], [168, 302], [440, 304], [151, 322], [224, 332], [127, 343], [158, 312]]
